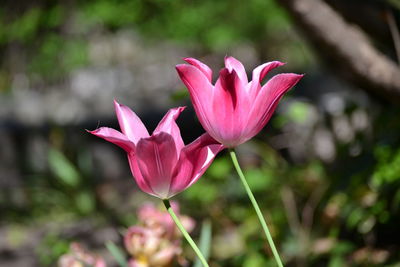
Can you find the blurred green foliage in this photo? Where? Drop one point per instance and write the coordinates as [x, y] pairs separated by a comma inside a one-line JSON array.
[[388, 166], [54, 36], [197, 22], [70, 177], [51, 247]]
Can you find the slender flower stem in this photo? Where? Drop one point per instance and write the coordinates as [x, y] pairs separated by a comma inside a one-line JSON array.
[[256, 207], [184, 232]]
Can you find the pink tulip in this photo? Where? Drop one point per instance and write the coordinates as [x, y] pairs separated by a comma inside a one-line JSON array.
[[78, 256], [161, 163], [161, 222], [150, 249], [155, 241], [234, 110]]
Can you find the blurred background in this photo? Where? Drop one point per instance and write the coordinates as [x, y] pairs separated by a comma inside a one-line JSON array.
[[325, 170]]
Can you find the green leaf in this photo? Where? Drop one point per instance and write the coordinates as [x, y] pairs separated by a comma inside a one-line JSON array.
[[63, 169], [116, 253], [254, 260], [85, 201], [205, 242]]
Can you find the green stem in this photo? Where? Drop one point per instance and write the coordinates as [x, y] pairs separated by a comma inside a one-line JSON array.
[[256, 207], [184, 232]]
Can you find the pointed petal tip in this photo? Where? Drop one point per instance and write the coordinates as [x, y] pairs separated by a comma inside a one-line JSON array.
[[92, 131], [228, 57], [274, 64], [291, 78], [233, 64], [177, 109], [188, 59], [279, 63], [180, 67], [199, 65], [175, 112], [117, 105], [193, 71], [99, 131], [298, 76]]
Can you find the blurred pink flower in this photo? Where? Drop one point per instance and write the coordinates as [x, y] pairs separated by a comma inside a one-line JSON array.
[[148, 248], [78, 257], [234, 110], [155, 241], [161, 164], [161, 221]]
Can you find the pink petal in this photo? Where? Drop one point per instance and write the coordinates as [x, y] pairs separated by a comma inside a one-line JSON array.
[[201, 66], [150, 215], [230, 107], [258, 75], [232, 63], [135, 238], [193, 162], [201, 93], [169, 126], [134, 263], [100, 263], [142, 183], [130, 123], [262, 70], [148, 212], [157, 157], [267, 100], [188, 223], [165, 255], [114, 137]]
